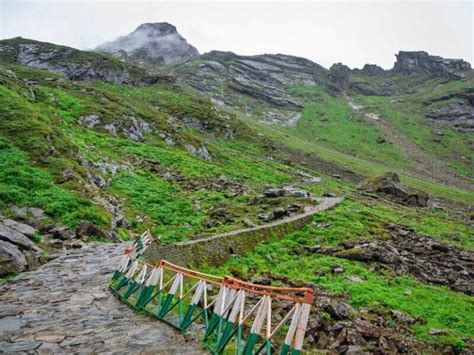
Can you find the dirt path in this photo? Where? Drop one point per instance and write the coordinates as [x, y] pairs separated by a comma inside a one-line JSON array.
[[420, 162], [65, 306]]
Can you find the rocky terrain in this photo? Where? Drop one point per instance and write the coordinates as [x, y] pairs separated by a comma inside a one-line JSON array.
[[422, 256], [423, 63], [147, 134], [150, 43], [72, 63]]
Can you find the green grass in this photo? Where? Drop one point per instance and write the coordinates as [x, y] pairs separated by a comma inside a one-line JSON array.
[[407, 114], [439, 307], [360, 165], [169, 214], [332, 123], [22, 184], [7, 277]]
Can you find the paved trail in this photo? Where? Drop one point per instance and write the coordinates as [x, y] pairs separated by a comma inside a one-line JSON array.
[[65, 306]]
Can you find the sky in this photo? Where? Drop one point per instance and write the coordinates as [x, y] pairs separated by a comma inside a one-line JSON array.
[[327, 32]]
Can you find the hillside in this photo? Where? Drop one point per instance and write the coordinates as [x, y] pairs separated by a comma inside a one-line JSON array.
[[97, 148]]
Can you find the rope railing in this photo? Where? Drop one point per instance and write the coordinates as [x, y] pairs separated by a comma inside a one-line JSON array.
[[235, 315]]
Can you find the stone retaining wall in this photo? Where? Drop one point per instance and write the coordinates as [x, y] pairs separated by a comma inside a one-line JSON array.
[[217, 249]]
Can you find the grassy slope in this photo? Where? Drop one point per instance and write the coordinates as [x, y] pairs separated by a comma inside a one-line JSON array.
[[440, 307], [31, 124], [407, 113]]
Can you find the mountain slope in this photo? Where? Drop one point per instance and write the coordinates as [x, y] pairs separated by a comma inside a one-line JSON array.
[[334, 107], [195, 155]]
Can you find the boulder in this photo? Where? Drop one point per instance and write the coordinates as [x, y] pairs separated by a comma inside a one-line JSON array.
[[113, 237], [248, 223], [62, 233], [294, 207], [279, 212], [273, 192], [11, 259], [120, 221], [337, 269], [389, 183], [12, 236], [87, 229], [339, 310], [200, 152], [19, 227], [418, 198]]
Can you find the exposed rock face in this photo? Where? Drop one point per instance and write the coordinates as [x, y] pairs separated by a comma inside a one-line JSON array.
[[72, 63], [265, 79], [200, 152], [339, 76], [370, 70], [86, 229], [134, 128], [455, 110], [435, 66], [151, 43], [261, 77]]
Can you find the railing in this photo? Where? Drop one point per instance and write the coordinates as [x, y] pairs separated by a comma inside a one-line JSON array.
[[234, 315]]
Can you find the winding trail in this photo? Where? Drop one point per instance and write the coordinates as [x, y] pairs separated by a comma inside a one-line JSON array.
[[420, 162], [65, 306]]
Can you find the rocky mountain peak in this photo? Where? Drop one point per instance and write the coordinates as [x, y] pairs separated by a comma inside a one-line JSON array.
[[151, 43], [158, 28], [420, 62]]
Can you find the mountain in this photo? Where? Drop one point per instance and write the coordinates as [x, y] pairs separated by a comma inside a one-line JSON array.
[[70, 62], [93, 148], [151, 43]]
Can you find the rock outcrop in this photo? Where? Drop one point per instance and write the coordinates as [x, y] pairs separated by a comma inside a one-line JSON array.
[[261, 80], [262, 77], [151, 43], [339, 77], [455, 110], [389, 183], [17, 251], [422, 63], [370, 70], [72, 63]]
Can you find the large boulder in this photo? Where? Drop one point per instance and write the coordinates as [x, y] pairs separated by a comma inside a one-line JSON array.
[[11, 259], [87, 229], [17, 251], [12, 236], [19, 227]]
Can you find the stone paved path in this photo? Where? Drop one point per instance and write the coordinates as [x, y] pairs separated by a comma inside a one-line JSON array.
[[65, 306]]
